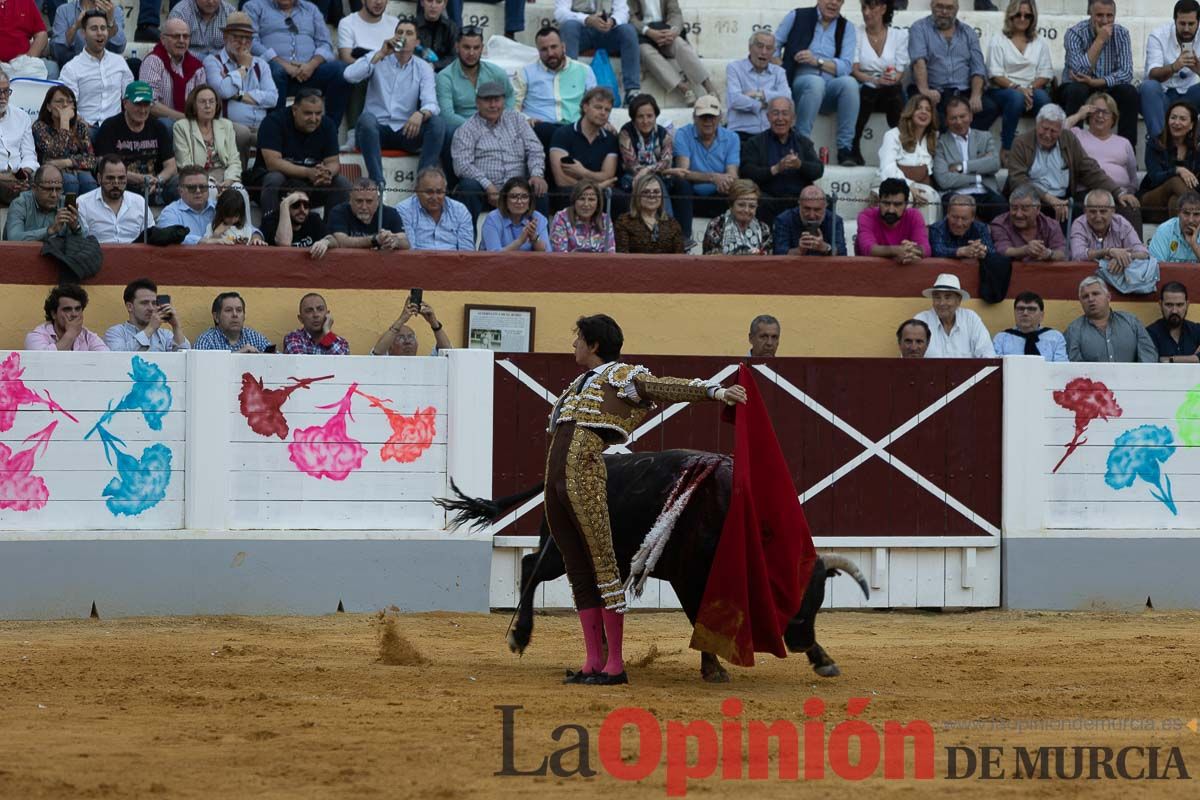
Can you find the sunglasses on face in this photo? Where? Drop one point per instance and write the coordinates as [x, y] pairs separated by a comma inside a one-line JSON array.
[[1021, 15]]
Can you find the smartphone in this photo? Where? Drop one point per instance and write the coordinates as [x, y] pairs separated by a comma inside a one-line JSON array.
[[567, 160], [70, 199], [270, 349], [811, 228], [415, 297], [162, 300]]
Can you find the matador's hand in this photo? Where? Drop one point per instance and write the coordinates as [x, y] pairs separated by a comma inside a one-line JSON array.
[[732, 395]]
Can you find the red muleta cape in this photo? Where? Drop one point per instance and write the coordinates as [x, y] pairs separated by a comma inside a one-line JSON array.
[[766, 556]]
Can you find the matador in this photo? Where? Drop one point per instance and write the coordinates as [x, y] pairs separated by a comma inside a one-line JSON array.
[[601, 407]]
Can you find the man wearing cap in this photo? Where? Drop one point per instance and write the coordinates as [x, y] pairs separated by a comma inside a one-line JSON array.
[[913, 337], [707, 157], [144, 145], [97, 76], [240, 78], [1028, 337], [494, 145], [955, 332], [892, 229], [172, 72], [1102, 334], [401, 109], [292, 37], [206, 19]]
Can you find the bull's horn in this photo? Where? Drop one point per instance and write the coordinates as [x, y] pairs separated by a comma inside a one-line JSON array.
[[835, 562]]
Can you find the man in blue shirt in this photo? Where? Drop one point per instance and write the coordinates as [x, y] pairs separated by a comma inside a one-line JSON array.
[[961, 236], [1177, 238], [194, 209], [150, 327], [359, 224], [1029, 338], [229, 331], [433, 221], [292, 37], [947, 61], [809, 229], [402, 108], [707, 158], [1177, 339], [818, 47]]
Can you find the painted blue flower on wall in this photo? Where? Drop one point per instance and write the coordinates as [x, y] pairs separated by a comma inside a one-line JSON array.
[[149, 394], [1139, 453]]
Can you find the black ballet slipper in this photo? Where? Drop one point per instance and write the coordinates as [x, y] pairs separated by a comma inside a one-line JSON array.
[[579, 677], [604, 679]]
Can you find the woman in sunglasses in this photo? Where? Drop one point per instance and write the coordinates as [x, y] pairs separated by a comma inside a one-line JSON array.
[[1019, 62]]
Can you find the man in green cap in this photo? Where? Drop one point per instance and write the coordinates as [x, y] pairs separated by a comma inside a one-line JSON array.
[[143, 144]]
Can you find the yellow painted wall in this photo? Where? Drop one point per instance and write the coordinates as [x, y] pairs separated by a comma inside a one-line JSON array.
[[654, 324]]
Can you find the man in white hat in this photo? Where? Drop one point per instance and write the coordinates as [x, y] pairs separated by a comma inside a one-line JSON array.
[[954, 332]]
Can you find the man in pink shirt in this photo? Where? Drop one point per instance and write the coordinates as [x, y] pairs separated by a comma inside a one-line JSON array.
[[63, 329], [892, 229]]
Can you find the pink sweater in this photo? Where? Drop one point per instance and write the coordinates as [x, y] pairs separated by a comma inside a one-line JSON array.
[[873, 231]]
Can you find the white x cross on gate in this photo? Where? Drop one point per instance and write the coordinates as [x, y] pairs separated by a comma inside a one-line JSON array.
[[877, 449], [873, 449]]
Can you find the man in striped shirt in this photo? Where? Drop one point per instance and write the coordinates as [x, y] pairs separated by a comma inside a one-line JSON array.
[[1100, 59]]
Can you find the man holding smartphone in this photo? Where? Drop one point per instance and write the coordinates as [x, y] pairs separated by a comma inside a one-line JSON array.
[[401, 340], [38, 214], [810, 228], [152, 325]]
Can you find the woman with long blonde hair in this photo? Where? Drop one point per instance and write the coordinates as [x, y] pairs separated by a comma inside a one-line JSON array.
[[906, 152]]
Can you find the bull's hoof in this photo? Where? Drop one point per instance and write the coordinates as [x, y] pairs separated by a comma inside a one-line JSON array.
[[515, 645], [716, 676], [827, 670]]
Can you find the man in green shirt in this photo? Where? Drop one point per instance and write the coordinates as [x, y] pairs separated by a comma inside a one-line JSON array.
[[456, 83], [37, 214]]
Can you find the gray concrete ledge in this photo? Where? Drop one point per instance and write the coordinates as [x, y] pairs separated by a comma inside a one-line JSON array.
[[61, 579]]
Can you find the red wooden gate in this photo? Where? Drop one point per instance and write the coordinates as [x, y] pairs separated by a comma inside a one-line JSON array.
[[877, 447]]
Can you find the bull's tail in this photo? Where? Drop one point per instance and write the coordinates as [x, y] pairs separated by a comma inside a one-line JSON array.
[[834, 563], [478, 512]]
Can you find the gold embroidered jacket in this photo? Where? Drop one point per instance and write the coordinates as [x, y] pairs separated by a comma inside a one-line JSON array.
[[620, 397]]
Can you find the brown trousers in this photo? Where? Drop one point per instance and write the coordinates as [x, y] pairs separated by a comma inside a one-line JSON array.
[[577, 511], [1162, 202]]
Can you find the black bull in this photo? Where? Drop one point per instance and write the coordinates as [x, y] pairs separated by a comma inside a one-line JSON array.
[[638, 486]]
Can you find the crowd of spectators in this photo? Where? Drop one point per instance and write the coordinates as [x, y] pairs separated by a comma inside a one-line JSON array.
[[537, 162]]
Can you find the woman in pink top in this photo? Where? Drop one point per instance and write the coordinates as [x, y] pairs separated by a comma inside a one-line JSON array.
[[1113, 153]]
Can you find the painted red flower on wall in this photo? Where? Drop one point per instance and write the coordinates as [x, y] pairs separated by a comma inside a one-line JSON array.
[[1090, 400], [20, 489], [263, 408], [327, 451], [412, 434], [14, 393]]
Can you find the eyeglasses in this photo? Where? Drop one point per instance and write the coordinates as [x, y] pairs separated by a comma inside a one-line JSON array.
[[195, 187], [519, 196], [291, 25], [1021, 15], [471, 30], [5, 92], [300, 204]]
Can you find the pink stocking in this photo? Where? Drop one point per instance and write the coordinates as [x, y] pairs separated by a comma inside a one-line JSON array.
[[614, 630], [591, 619]]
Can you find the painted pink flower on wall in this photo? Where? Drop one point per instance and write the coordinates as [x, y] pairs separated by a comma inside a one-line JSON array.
[[412, 434], [1090, 400], [327, 451], [263, 408], [14, 393], [20, 489]]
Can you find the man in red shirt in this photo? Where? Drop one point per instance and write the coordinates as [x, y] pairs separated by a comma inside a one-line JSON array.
[[22, 30]]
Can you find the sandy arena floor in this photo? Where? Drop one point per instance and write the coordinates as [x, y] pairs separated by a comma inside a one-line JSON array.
[[228, 707]]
